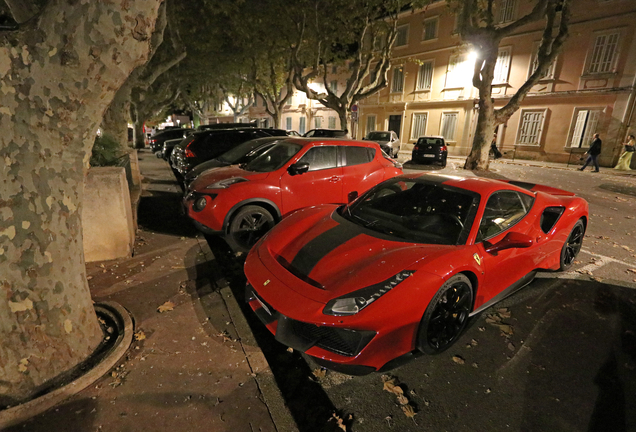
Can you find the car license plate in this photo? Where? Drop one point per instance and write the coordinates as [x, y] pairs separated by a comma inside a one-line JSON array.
[[429, 156]]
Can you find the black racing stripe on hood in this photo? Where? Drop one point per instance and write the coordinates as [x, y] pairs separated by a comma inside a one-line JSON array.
[[310, 255]]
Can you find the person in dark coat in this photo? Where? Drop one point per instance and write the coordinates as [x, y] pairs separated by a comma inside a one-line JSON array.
[[592, 153]]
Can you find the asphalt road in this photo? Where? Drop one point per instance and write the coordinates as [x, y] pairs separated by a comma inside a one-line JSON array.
[[567, 363]]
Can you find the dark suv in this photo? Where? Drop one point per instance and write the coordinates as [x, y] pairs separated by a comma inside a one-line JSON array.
[[205, 145], [430, 149], [157, 140]]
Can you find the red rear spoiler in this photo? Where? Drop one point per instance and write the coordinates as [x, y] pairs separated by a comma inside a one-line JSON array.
[[540, 188]]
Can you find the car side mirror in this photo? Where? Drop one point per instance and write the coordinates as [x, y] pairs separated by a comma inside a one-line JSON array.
[[298, 168], [351, 196], [512, 240]]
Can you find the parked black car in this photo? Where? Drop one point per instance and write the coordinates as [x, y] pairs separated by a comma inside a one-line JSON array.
[[430, 149], [168, 146], [326, 133], [157, 140], [205, 145], [226, 126], [242, 153]]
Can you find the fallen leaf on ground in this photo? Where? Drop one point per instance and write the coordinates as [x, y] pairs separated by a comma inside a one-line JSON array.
[[511, 347], [403, 400], [167, 306], [319, 373], [506, 329], [339, 422], [459, 360], [392, 387], [408, 410], [290, 350], [631, 270], [473, 342], [139, 336]]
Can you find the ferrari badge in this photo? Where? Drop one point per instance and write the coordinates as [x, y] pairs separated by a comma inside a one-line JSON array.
[[476, 256]]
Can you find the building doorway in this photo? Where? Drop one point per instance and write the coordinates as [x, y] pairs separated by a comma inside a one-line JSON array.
[[395, 124]]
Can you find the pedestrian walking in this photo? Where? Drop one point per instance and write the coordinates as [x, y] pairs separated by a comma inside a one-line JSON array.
[[493, 148], [592, 153], [625, 160]]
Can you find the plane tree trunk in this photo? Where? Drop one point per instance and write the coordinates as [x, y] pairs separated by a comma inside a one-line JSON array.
[[58, 73]]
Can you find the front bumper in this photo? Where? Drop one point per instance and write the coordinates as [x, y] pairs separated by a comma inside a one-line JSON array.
[[427, 157], [303, 336]]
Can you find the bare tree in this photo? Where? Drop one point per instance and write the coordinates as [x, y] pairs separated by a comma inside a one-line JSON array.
[[362, 38], [59, 72], [479, 28]]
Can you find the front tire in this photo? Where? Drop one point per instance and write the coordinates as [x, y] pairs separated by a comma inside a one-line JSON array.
[[572, 245], [248, 225], [446, 315]]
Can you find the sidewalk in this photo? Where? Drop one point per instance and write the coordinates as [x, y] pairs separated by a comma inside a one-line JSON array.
[[193, 364]]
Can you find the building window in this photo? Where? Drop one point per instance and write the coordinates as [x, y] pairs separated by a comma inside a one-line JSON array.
[[397, 85], [534, 63], [585, 123], [454, 76], [425, 76], [449, 123], [288, 123], [507, 11], [430, 29], [289, 100], [402, 36], [530, 127], [370, 123], [301, 126], [502, 67], [334, 69], [604, 53], [332, 122], [418, 128], [318, 122], [333, 86]]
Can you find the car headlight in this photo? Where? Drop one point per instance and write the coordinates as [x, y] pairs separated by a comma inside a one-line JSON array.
[[224, 184], [354, 302]]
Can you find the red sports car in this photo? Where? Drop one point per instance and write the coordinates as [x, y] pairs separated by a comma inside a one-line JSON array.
[[397, 272], [242, 202]]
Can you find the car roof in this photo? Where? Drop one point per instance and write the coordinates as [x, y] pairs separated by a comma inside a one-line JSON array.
[[304, 141], [480, 185]]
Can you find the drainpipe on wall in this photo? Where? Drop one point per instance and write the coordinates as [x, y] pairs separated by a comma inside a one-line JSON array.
[[406, 105]]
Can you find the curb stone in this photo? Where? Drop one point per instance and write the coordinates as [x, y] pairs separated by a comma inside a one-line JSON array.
[[272, 396], [32, 408]]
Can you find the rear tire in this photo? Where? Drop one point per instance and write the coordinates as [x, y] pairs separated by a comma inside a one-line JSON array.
[[247, 226], [444, 162], [572, 245], [446, 315]]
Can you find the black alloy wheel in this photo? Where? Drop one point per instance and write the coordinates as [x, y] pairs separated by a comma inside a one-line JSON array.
[[572, 245], [248, 225], [446, 315]]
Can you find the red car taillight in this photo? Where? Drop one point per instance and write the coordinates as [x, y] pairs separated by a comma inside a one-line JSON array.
[[443, 148], [188, 152]]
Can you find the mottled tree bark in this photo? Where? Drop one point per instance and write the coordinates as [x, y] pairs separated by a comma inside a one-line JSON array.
[[58, 73]]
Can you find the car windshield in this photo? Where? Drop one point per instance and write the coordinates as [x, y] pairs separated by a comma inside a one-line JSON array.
[[416, 210], [379, 136], [233, 155], [274, 158]]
